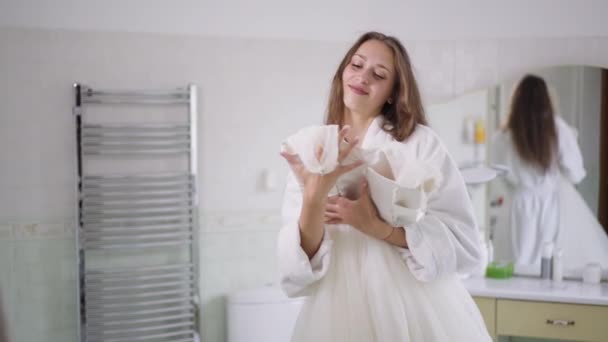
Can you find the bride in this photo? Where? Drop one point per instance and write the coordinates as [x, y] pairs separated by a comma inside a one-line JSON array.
[[377, 221]]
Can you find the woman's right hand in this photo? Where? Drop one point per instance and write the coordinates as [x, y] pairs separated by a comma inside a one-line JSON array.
[[317, 186]]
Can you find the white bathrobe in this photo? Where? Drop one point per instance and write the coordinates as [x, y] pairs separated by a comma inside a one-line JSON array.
[[534, 216], [364, 289]]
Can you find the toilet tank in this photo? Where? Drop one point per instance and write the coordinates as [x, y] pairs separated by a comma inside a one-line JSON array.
[[264, 314]]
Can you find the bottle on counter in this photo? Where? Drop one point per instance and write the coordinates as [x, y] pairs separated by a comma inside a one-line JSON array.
[[558, 271], [545, 261]]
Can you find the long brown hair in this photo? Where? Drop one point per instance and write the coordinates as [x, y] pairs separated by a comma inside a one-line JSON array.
[[405, 111], [532, 124]]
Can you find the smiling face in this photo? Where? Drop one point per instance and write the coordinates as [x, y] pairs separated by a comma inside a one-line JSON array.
[[375, 77], [369, 78]]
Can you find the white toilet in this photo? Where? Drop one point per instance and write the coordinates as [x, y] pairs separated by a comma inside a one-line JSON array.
[[265, 314]]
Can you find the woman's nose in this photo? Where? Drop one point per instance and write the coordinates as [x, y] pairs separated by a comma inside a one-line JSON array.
[[365, 75]]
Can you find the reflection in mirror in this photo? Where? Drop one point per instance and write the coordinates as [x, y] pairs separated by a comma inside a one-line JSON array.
[[546, 131], [541, 187]]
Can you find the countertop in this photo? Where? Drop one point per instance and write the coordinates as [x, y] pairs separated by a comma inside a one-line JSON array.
[[536, 289]]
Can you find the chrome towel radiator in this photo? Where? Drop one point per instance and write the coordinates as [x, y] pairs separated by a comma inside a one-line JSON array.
[[137, 214]]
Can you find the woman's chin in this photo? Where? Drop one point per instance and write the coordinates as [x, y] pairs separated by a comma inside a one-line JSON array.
[[357, 106]]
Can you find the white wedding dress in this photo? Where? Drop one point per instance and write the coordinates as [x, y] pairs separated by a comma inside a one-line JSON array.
[[363, 289]]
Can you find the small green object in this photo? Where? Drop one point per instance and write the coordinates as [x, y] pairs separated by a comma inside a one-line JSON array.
[[499, 270]]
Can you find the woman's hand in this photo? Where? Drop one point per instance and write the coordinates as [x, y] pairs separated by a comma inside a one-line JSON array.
[[360, 213], [317, 186]]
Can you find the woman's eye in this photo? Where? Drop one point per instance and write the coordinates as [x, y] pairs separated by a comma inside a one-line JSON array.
[[356, 66], [378, 76]]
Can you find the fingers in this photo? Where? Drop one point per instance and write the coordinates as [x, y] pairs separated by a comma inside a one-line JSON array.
[[332, 216], [366, 196], [342, 169], [363, 189], [345, 146], [342, 133], [336, 202], [286, 155], [292, 159], [333, 208], [333, 199], [349, 146], [319, 152], [295, 164]]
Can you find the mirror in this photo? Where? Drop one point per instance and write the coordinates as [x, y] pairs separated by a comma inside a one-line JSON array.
[[516, 218]]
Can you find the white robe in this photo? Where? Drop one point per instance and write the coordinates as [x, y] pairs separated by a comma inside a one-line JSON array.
[[534, 215], [364, 289], [547, 208]]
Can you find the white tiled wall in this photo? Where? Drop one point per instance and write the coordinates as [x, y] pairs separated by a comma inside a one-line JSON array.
[[250, 93], [38, 280], [233, 259]]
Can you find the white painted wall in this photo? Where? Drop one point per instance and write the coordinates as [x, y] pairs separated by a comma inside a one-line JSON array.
[[338, 20]]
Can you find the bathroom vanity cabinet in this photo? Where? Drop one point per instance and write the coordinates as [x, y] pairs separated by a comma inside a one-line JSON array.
[[530, 307]]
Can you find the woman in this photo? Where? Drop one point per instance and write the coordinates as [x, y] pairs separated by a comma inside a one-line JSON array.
[[366, 279], [538, 147]]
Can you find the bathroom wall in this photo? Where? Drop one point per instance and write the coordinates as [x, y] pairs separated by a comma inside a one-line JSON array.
[[38, 279], [252, 93]]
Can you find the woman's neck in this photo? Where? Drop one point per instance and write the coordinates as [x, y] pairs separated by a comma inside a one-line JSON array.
[[358, 123]]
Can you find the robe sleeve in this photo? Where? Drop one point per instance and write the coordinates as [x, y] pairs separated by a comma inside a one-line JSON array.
[[297, 273], [445, 241], [569, 154]]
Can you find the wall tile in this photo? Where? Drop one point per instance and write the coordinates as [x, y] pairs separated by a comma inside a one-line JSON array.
[[434, 69], [475, 65], [6, 273], [6, 232]]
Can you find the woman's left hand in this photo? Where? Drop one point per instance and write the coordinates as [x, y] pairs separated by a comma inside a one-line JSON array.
[[360, 213]]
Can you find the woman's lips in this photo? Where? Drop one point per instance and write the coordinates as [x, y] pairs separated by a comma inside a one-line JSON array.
[[357, 90]]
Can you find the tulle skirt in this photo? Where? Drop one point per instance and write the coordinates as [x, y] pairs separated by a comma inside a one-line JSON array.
[[369, 294], [581, 236]]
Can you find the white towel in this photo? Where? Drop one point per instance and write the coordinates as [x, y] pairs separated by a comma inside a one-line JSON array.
[[401, 199]]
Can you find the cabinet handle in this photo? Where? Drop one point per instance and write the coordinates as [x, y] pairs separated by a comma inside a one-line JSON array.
[[560, 322]]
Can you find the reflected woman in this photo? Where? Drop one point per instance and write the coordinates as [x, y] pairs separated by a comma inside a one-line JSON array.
[[538, 147]]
